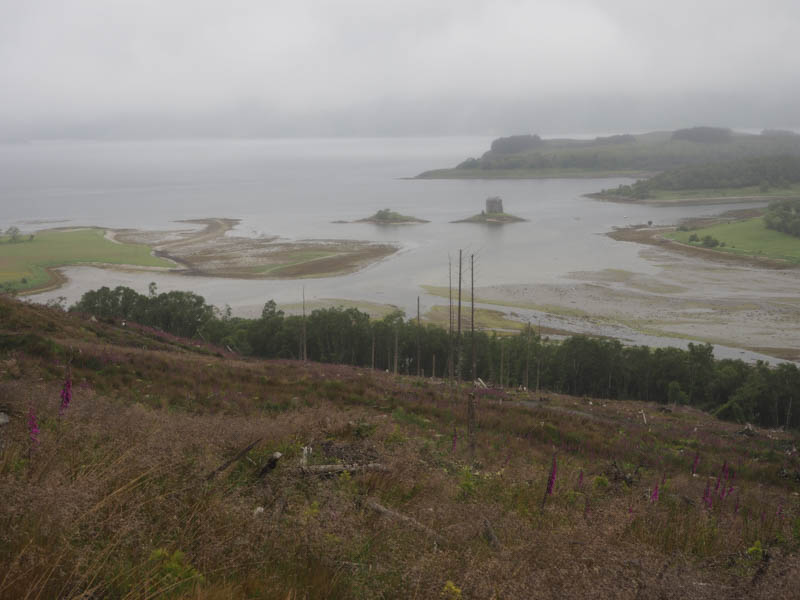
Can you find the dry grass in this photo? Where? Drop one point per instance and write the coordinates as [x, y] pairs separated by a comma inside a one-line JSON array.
[[116, 500]]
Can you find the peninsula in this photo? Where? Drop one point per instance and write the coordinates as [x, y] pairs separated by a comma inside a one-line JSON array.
[[30, 262], [626, 155]]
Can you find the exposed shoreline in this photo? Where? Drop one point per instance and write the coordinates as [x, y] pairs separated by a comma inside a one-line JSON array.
[[528, 174], [654, 236], [211, 252], [492, 219], [705, 201]]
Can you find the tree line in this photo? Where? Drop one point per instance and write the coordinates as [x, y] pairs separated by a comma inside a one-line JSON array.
[[764, 172], [648, 152], [784, 215], [578, 365]]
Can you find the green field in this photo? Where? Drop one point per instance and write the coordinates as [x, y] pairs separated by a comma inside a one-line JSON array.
[[748, 238], [24, 264], [741, 192]]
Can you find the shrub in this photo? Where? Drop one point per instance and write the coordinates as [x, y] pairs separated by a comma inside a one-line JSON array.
[[601, 483], [173, 574]]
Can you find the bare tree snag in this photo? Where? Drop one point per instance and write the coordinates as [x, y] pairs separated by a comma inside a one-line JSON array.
[[471, 425], [270, 464], [489, 535]]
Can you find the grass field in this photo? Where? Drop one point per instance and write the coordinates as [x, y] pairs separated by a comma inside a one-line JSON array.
[[24, 265], [443, 292], [748, 192], [484, 319], [749, 237]]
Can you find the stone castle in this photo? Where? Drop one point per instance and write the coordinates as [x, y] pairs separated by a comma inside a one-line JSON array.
[[494, 205]]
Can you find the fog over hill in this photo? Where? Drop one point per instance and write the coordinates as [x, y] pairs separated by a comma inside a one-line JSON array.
[[244, 68]]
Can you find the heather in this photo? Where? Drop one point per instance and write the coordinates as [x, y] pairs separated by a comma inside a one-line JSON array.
[[161, 480], [730, 389]]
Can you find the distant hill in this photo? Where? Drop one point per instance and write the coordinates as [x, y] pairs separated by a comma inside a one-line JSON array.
[[766, 174], [530, 156]]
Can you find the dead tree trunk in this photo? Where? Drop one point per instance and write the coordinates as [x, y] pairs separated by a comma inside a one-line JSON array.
[[458, 337], [305, 347], [502, 356], [472, 316], [450, 332], [527, 354], [471, 425], [419, 355], [395, 349]]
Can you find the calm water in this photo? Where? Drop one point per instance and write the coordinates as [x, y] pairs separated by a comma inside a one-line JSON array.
[[295, 188]]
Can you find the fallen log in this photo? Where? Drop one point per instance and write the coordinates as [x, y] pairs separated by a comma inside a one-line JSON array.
[[393, 514], [325, 469], [228, 463]]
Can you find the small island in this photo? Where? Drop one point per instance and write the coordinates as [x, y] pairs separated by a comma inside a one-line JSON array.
[[493, 214], [387, 216]]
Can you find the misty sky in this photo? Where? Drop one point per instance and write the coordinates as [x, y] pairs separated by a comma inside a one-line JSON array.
[[177, 68]]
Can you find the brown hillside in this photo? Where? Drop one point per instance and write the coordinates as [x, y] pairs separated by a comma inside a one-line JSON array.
[[160, 480]]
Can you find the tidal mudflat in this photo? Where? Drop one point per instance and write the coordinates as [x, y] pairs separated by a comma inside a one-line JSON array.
[[211, 252]]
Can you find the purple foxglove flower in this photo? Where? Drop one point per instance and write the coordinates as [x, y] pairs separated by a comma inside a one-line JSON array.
[[66, 396], [654, 494], [707, 497], [580, 479], [551, 481]]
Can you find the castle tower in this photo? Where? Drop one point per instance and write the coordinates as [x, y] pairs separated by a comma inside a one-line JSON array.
[[494, 205]]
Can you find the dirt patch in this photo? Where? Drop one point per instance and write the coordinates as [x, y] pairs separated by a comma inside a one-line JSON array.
[[212, 252]]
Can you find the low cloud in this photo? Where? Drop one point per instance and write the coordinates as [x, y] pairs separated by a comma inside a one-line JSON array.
[[111, 68]]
